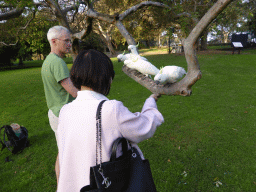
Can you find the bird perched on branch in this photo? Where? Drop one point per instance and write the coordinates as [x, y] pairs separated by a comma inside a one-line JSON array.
[[135, 61], [169, 74], [123, 57], [133, 49], [142, 66]]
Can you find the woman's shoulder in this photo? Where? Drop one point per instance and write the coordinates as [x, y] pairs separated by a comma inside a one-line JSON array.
[[112, 105]]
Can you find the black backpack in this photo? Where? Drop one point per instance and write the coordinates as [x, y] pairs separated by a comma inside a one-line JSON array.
[[12, 142]]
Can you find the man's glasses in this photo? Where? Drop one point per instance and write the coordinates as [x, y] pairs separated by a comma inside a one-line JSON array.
[[66, 40]]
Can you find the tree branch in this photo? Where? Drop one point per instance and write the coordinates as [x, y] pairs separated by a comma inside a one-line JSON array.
[[139, 6], [15, 13], [12, 14], [86, 31], [11, 44], [61, 17], [21, 28], [100, 16], [6, 6], [130, 40]]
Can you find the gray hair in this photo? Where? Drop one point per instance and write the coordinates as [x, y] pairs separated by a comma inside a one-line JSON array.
[[55, 32]]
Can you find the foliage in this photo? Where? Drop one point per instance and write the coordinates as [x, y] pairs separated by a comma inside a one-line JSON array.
[[252, 24], [36, 34], [252, 16], [145, 24]]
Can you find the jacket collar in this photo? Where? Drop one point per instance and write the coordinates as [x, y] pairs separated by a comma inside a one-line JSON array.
[[90, 95]]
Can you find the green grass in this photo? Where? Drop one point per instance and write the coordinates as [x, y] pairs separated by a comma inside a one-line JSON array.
[[228, 46], [209, 135]]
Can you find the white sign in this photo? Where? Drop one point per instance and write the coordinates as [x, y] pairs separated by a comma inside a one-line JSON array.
[[237, 44]]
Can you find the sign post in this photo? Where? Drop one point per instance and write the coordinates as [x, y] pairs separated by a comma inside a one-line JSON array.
[[237, 45]]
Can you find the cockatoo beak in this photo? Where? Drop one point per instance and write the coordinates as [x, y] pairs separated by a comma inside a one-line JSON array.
[[157, 82], [119, 60]]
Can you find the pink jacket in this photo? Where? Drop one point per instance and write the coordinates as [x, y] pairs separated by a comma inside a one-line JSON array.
[[76, 134]]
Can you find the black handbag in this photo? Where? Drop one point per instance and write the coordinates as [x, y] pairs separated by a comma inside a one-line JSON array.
[[14, 143], [127, 173]]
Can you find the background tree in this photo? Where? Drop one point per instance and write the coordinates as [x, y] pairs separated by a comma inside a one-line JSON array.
[[227, 22], [251, 6]]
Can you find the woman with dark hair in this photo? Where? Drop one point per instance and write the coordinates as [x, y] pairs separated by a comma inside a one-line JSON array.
[[92, 73]]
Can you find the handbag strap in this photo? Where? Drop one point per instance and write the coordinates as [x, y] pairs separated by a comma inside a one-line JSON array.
[[98, 132], [117, 142]]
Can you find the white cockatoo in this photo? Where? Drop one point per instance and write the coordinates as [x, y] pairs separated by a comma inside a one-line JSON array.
[[133, 49], [142, 66], [123, 57], [170, 74], [135, 61]]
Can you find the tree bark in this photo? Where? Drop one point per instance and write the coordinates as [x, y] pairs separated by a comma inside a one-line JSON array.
[[12, 14], [204, 40], [106, 38], [61, 17], [130, 40]]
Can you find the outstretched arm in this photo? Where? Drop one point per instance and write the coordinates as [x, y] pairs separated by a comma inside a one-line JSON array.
[[139, 126]]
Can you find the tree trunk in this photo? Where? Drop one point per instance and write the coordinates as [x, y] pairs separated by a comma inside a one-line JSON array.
[[130, 40], [20, 61], [107, 41], [225, 36], [204, 40], [159, 41], [106, 38]]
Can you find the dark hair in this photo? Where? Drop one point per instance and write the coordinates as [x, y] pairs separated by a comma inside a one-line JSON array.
[[93, 69]]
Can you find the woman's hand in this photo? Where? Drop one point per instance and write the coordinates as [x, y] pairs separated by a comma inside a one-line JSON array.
[[155, 96]]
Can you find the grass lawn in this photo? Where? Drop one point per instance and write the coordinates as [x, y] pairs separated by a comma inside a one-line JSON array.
[[207, 142]]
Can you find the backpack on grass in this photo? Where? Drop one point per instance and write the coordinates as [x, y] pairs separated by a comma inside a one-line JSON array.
[[15, 138]]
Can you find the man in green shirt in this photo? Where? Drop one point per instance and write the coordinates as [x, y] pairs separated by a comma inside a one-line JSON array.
[[58, 87]]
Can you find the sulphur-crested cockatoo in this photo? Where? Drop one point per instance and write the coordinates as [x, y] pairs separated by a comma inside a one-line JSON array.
[[142, 66], [123, 57], [135, 61], [169, 74], [133, 49]]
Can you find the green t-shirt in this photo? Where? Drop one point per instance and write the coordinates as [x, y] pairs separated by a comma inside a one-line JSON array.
[[54, 69]]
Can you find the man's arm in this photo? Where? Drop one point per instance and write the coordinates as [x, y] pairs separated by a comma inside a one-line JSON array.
[[69, 87]]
